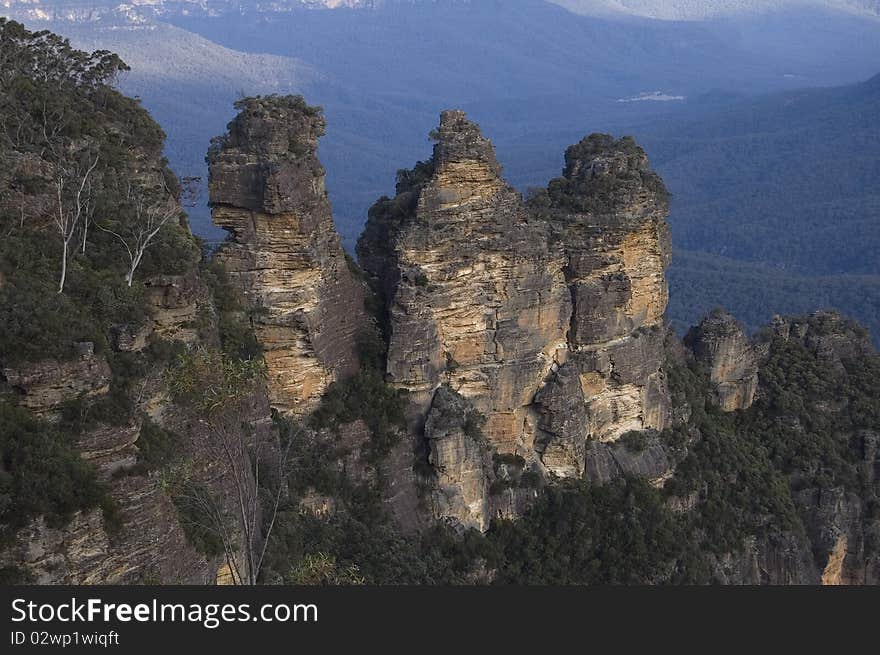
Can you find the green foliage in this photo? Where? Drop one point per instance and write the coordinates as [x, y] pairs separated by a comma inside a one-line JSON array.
[[798, 434], [11, 575], [258, 109], [636, 441], [45, 81], [156, 447], [361, 537], [41, 474], [37, 322], [742, 494], [58, 108], [211, 381], [58, 103], [237, 337], [200, 518], [322, 569], [698, 281], [810, 410], [619, 533], [740, 470], [114, 408], [474, 422], [762, 221], [364, 396], [409, 180], [599, 194]]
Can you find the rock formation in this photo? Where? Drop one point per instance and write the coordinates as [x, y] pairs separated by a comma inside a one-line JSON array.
[[267, 190], [45, 386], [546, 316], [474, 290], [609, 212], [461, 458], [720, 343]]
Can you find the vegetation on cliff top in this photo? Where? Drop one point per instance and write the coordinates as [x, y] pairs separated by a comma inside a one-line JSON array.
[[83, 185], [88, 208]]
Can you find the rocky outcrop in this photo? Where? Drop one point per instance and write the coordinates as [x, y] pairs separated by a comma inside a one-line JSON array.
[[720, 343], [563, 422], [763, 561], [44, 386], [546, 316], [609, 211], [830, 336], [474, 290], [174, 305], [605, 462], [461, 460], [267, 190]]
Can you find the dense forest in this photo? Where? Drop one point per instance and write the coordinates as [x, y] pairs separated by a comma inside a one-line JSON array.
[[774, 208], [755, 292]]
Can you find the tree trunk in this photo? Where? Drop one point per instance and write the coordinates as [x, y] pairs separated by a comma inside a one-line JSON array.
[[63, 267]]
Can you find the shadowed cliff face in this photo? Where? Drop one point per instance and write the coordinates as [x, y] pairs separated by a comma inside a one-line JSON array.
[[267, 190], [720, 343], [546, 317]]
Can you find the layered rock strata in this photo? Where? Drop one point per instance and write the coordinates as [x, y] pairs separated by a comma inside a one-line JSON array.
[[267, 190], [609, 212], [547, 316], [474, 290]]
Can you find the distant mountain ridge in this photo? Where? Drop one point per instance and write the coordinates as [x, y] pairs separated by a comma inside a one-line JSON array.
[[138, 10], [690, 10]]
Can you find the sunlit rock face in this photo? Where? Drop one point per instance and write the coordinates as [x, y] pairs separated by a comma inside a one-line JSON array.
[[267, 190], [474, 290], [546, 316]]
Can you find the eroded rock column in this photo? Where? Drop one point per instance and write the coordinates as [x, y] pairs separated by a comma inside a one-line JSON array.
[[609, 211], [267, 190]]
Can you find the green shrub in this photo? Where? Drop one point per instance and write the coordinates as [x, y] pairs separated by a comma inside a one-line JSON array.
[[364, 396], [618, 533], [211, 380], [237, 338], [635, 441], [41, 474], [200, 518], [156, 447]]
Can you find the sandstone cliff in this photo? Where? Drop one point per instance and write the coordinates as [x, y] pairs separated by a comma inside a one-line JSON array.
[[546, 317], [609, 211], [474, 290], [267, 190]]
